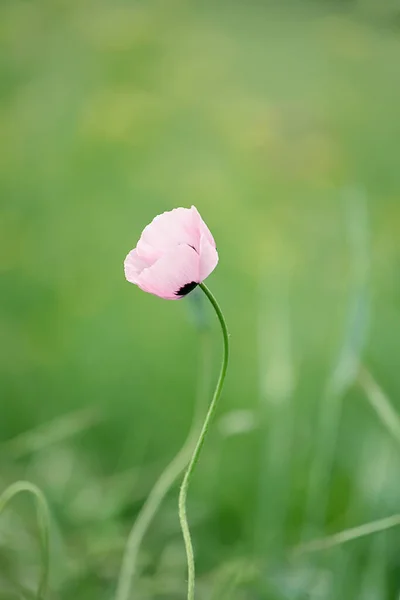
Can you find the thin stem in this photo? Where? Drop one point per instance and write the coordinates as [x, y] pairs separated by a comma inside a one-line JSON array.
[[164, 482], [199, 445], [380, 403], [43, 522], [348, 535], [55, 431]]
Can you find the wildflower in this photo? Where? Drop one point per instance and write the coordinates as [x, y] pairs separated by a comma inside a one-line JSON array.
[[175, 253]]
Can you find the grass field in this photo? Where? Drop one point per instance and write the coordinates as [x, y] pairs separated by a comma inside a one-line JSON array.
[[280, 122]]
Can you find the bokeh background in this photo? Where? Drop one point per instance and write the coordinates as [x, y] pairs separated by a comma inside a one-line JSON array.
[[280, 122]]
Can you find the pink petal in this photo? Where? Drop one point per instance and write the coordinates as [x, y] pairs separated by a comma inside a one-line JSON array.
[[178, 226], [208, 257], [175, 253], [173, 271], [203, 229], [134, 265]]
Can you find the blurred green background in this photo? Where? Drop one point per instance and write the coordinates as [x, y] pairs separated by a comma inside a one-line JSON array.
[[280, 122]]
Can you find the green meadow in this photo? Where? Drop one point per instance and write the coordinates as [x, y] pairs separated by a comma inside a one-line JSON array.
[[280, 122]]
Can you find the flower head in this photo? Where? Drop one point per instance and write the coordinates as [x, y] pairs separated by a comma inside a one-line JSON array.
[[175, 253]]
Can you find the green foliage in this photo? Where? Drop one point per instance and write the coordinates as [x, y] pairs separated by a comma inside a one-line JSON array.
[[279, 121]]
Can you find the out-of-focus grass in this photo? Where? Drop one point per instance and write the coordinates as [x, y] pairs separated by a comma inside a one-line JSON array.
[[264, 115]]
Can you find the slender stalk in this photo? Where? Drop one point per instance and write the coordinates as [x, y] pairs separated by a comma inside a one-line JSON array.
[[164, 483], [200, 442], [55, 431], [380, 403], [43, 522], [348, 535]]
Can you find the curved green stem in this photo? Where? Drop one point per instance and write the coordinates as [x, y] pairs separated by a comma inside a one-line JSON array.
[[43, 522], [164, 482], [199, 445]]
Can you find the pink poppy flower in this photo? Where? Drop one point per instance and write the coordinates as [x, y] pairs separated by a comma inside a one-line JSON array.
[[175, 253]]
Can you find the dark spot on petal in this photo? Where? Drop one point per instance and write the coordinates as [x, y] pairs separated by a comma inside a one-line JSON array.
[[190, 246], [186, 289]]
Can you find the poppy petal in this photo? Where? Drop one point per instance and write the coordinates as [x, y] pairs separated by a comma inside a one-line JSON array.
[[208, 257], [134, 265], [176, 269], [169, 230]]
